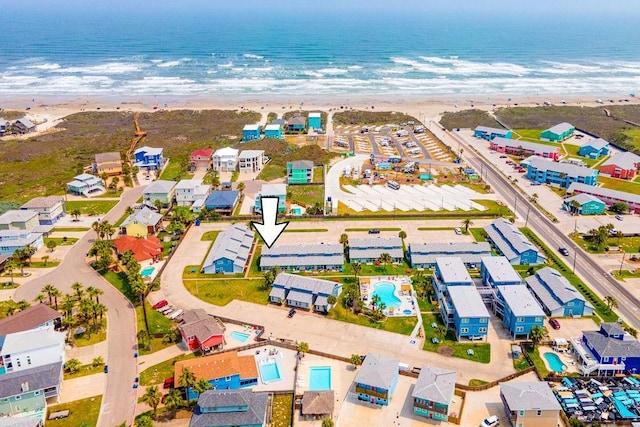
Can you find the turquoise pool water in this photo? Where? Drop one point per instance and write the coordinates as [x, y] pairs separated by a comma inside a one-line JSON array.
[[269, 371], [386, 292], [320, 378], [554, 362], [239, 336], [147, 272]]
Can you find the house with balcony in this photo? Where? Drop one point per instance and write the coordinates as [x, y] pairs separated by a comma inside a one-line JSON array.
[[303, 257], [189, 191], [31, 348], [424, 255], [594, 148], [609, 351], [12, 240], [201, 332], [623, 165], [530, 403], [296, 124], [50, 209], [141, 223], [558, 133], [23, 125], [584, 204], [161, 190], [149, 158], [237, 408], [524, 148], [251, 132], [222, 201], [556, 295], [300, 172], [608, 196], [449, 271], [86, 185], [489, 133], [272, 190], [201, 159], [376, 379], [225, 159], [368, 250], [498, 271], [39, 316], [304, 292], [230, 252], [273, 131], [19, 219], [559, 174], [109, 163], [464, 312], [518, 309], [251, 161], [511, 243], [433, 393], [25, 393], [314, 121]]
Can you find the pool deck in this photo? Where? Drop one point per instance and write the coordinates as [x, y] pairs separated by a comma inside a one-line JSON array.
[[406, 297], [286, 360], [156, 267], [567, 359]]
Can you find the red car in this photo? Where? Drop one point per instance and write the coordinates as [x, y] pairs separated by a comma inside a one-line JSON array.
[[554, 323], [160, 304]]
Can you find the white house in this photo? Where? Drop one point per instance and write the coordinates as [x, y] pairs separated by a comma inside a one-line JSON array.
[[49, 209], [251, 161], [190, 190], [225, 159], [32, 348]]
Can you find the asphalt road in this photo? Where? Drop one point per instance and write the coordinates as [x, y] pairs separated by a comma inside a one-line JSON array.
[[119, 397]]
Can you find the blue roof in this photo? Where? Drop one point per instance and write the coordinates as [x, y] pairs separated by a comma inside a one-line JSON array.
[[222, 199]]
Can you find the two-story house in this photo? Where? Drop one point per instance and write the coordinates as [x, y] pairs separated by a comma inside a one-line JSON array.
[[230, 251], [200, 331], [300, 172], [512, 244], [368, 250], [25, 393], [556, 295], [19, 219], [201, 159], [141, 223], [304, 292], [225, 159], [142, 249], [109, 163], [272, 190], [624, 165], [376, 379], [594, 148], [188, 191], [547, 171], [251, 132], [518, 309], [558, 133], [296, 124], [237, 408], [12, 240], [489, 133], [530, 404], [608, 351], [498, 271], [250, 161], [584, 204], [149, 158], [314, 121], [86, 185], [222, 201], [424, 255], [39, 316], [303, 257], [433, 393], [273, 131], [608, 196], [161, 190], [50, 209], [31, 348]]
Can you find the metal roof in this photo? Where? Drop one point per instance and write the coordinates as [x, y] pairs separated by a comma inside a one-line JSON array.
[[302, 255], [273, 190], [228, 412], [560, 128], [452, 270], [160, 186], [272, 126], [222, 199], [467, 301], [583, 198], [38, 378], [190, 184], [311, 284], [529, 396], [500, 269], [552, 288], [469, 253], [377, 371], [488, 129], [300, 164], [373, 247], [226, 152], [520, 300], [532, 146], [144, 216], [234, 244], [597, 143], [32, 339], [508, 239], [435, 385], [250, 154], [626, 160], [251, 127], [42, 202], [603, 192], [570, 169], [17, 215]]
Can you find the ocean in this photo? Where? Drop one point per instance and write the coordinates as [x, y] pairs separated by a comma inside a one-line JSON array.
[[183, 48]]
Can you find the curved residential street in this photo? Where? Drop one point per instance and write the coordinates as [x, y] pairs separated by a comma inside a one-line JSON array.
[[119, 397]]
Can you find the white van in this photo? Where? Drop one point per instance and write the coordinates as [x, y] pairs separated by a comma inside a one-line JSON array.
[[492, 421], [176, 314]]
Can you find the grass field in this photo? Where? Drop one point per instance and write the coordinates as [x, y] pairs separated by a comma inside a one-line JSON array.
[[306, 195], [156, 374], [467, 119], [627, 244], [85, 370], [281, 415], [223, 291], [481, 351], [175, 171], [619, 184], [210, 235], [572, 151], [528, 134], [400, 325], [82, 412], [86, 339], [91, 207], [373, 118], [69, 229]]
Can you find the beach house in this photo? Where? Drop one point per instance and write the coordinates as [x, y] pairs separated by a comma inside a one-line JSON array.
[[141, 248], [423, 255], [141, 223], [230, 252], [222, 201], [594, 148], [251, 132], [296, 124], [300, 172], [558, 133], [19, 219], [464, 312], [188, 191], [12, 240], [237, 408], [518, 310], [5, 126], [201, 159], [556, 295], [39, 316], [304, 292], [609, 351], [109, 163], [272, 190], [433, 393], [224, 371], [251, 161], [524, 148], [148, 158], [273, 131], [530, 403], [86, 185], [50, 209], [25, 393], [623, 165], [449, 271], [314, 121], [317, 404], [23, 126], [376, 379], [200, 331], [608, 196], [490, 133], [303, 257], [560, 174], [584, 204], [511, 243], [498, 271], [368, 250], [31, 348], [225, 159], [161, 190]]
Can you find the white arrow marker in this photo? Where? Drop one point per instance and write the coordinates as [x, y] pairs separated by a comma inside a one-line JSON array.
[[268, 229]]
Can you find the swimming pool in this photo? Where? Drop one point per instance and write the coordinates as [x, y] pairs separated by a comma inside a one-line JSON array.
[[320, 378], [269, 371], [386, 292], [554, 362], [147, 272], [239, 336]]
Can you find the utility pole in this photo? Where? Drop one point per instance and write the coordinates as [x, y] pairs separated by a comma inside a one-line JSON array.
[[575, 255], [622, 262]]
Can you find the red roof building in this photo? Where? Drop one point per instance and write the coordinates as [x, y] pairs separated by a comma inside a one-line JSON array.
[[201, 331], [143, 249], [201, 159]]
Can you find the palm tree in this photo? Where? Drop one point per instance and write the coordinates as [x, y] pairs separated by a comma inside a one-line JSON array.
[[303, 348], [96, 226], [139, 288], [201, 386], [536, 335], [77, 287], [158, 204], [403, 235], [327, 422], [152, 397], [75, 213], [331, 300], [129, 210], [40, 298], [173, 400], [534, 198], [619, 235], [97, 361], [49, 289], [45, 259], [10, 267], [67, 305], [466, 223], [611, 302], [187, 378], [92, 291], [385, 258], [241, 187], [356, 267], [72, 365], [344, 240], [107, 228], [23, 304], [375, 300], [355, 360]]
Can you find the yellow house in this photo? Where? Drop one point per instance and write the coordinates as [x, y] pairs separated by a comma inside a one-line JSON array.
[[530, 404], [109, 163], [136, 229], [141, 223]]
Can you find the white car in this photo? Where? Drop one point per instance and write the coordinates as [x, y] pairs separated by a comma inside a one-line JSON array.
[[457, 231], [492, 421]]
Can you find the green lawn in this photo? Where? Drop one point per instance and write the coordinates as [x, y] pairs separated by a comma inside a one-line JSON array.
[[70, 229], [425, 305], [84, 370], [529, 134], [82, 412], [210, 235], [270, 172], [619, 184], [188, 273], [306, 195], [175, 172], [222, 292], [317, 174], [572, 151], [156, 374], [158, 323], [400, 325], [61, 241], [482, 351], [635, 135], [91, 207], [534, 354], [520, 363], [625, 274], [86, 339], [281, 411], [627, 244], [478, 234], [121, 219], [379, 270]]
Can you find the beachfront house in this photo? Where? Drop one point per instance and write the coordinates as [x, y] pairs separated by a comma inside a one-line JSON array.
[[32, 348], [225, 159], [511, 243], [148, 158], [304, 292], [237, 408], [300, 172], [39, 316], [608, 351], [272, 190], [161, 190], [623, 165], [594, 148], [314, 121], [556, 295], [498, 271], [433, 393], [18, 219], [463, 311], [560, 174], [142, 248], [273, 131], [5, 126], [558, 133], [141, 223], [530, 403], [109, 163], [303, 257], [224, 371], [23, 126], [201, 159], [518, 310], [230, 252], [449, 271], [200, 331], [12, 240], [376, 379], [251, 132], [25, 393], [222, 201], [86, 185], [524, 148], [608, 196], [251, 161], [490, 133], [424, 255], [188, 191], [584, 204], [50, 209], [296, 124], [368, 250]]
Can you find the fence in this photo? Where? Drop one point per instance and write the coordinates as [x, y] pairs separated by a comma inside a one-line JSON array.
[[456, 418], [496, 382]]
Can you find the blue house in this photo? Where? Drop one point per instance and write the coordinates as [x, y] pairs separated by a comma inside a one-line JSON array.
[[556, 295], [86, 185], [518, 310], [584, 204], [489, 133], [272, 190], [377, 379], [511, 243], [424, 255], [314, 121], [12, 240], [251, 132], [449, 271], [303, 257], [463, 311], [609, 351], [148, 158], [273, 131], [547, 171], [304, 292], [558, 133], [237, 408], [594, 148], [223, 201], [498, 271], [229, 253], [433, 393]]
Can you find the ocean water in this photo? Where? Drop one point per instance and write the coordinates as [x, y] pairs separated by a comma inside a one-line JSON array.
[[286, 47]]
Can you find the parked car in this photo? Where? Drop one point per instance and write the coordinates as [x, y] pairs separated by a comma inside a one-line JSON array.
[[619, 217], [160, 304], [503, 157], [564, 251], [374, 231], [168, 383], [291, 312], [106, 369], [457, 231], [554, 323], [492, 421]]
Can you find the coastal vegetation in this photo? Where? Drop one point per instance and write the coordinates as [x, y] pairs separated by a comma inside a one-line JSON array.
[[467, 119], [83, 412], [372, 118]]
